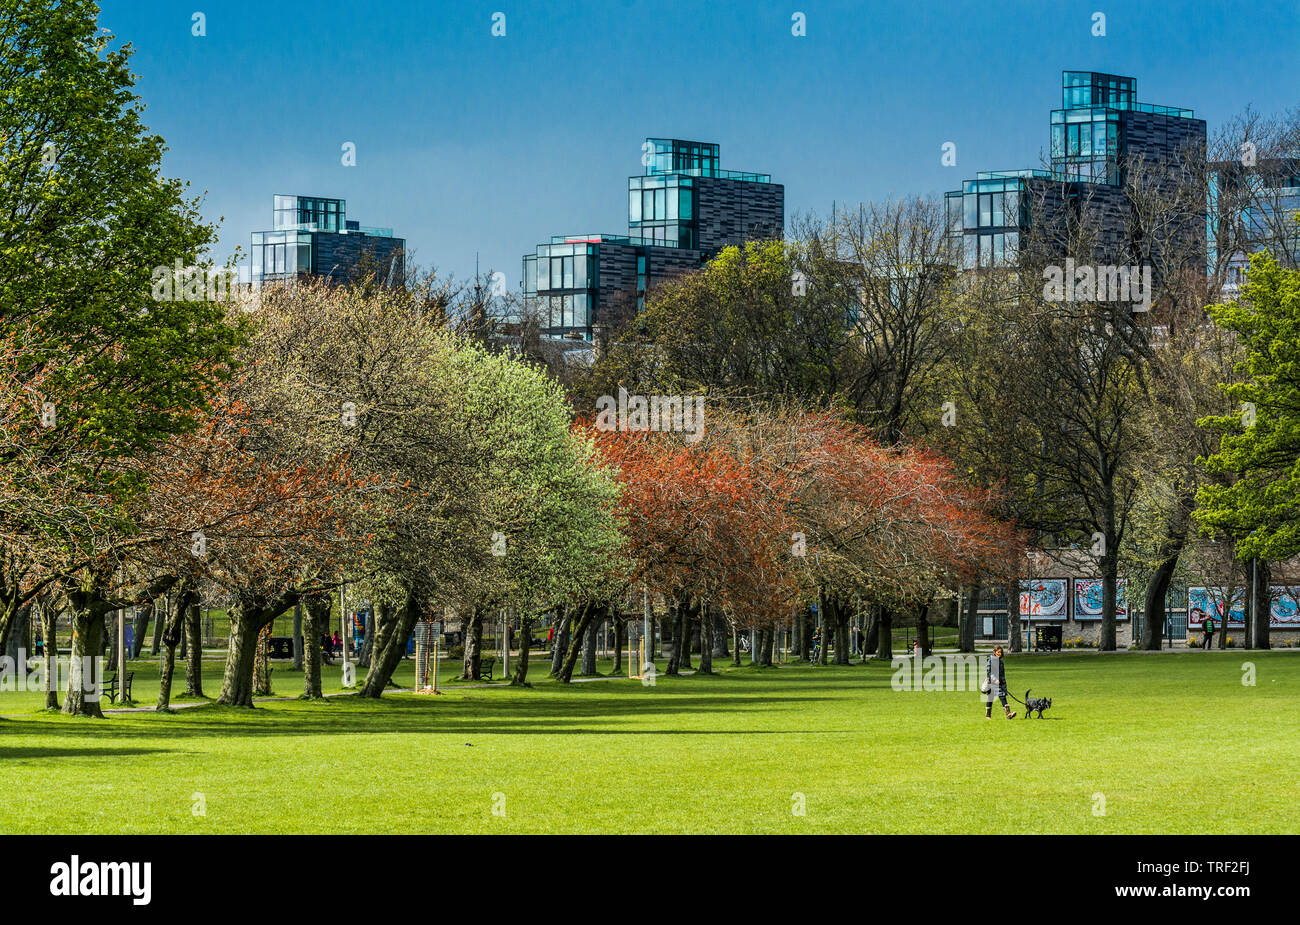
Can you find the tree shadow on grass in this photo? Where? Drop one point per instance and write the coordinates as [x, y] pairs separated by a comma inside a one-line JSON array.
[[415, 714], [31, 752]]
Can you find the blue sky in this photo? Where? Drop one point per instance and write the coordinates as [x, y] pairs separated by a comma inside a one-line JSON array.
[[470, 143]]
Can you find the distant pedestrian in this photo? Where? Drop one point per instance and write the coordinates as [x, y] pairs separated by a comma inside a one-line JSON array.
[[1208, 627], [995, 684]]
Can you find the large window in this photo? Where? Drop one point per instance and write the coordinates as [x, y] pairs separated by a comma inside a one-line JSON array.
[[305, 213], [279, 255], [1085, 144], [668, 155], [1081, 89]]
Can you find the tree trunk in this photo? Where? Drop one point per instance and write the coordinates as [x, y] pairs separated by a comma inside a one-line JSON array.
[[735, 646], [297, 636], [589, 649], [157, 638], [588, 614], [110, 637], [19, 646], [560, 643], [89, 606], [249, 614], [390, 646], [1231, 596], [885, 635], [823, 614], [84, 661], [706, 640], [473, 669], [237, 683], [262, 664], [674, 623], [685, 631], [1153, 606], [923, 629], [520, 677], [142, 618], [719, 636], [1259, 614], [1109, 588], [841, 617], [165, 680], [50, 645], [677, 609], [315, 616], [620, 643], [969, 618], [193, 650], [769, 638]]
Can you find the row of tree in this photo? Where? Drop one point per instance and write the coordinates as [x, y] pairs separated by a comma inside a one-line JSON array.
[[1139, 436]]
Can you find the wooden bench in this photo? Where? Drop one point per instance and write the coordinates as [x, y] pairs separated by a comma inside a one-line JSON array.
[[126, 688], [486, 666]]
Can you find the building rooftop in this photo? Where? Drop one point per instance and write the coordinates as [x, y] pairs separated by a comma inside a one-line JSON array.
[[691, 159], [609, 239], [1093, 90]]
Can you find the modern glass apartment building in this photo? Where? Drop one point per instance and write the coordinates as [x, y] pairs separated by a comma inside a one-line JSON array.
[[1099, 130], [681, 212], [312, 236], [1253, 208]]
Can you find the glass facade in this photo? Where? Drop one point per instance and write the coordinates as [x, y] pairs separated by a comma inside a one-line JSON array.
[[661, 210], [310, 213], [1086, 142], [1259, 204], [1081, 89], [985, 217], [299, 222], [663, 237], [668, 155], [562, 280], [281, 255]]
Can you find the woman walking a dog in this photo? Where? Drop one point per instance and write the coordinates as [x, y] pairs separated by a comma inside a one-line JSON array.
[[995, 682]]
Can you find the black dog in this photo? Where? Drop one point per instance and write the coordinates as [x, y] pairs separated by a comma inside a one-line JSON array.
[[1036, 703]]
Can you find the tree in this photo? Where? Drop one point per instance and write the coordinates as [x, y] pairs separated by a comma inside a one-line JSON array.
[[1259, 447], [101, 371], [704, 524]]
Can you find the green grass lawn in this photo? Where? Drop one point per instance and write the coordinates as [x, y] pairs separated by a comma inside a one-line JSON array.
[[1172, 742]]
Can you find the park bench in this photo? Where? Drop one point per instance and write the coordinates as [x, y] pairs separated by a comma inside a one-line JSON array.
[[126, 687], [485, 668]]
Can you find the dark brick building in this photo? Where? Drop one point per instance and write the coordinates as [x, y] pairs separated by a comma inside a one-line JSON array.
[[681, 213], [1100, 134], [313, 236]]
